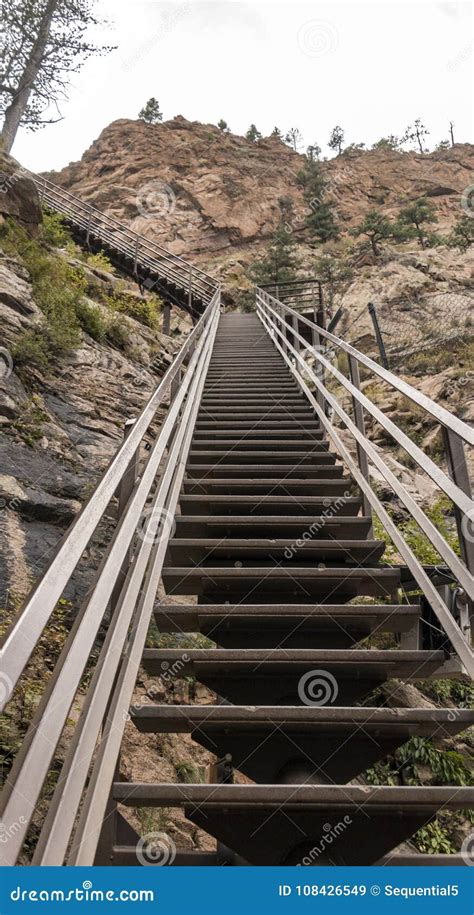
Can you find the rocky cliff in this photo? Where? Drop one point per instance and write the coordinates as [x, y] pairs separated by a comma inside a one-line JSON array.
[[201, 191]]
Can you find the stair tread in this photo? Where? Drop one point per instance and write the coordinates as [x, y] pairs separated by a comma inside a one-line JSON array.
[[394, 798], [185, 718]]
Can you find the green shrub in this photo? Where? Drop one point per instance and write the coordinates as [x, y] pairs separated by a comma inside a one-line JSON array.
[[53, 230], [118, 333], [91, 320], [433, 839], [100, 261], [146, 311]]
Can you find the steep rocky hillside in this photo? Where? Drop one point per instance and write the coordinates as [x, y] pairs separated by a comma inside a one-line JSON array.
[[80, 352], [217, 198], [200, 191]]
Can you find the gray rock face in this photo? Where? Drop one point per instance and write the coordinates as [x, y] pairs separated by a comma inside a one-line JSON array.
[[18, 195], [59, 430]]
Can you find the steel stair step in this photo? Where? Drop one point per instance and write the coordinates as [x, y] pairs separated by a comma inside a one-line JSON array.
[[253, 434], [334, 744], [283, 824], [317, 455], [253, 472], [298, 581], [280, 676], [342, 527], [183, 551], [265, 486], [279, 505], [316, 618]]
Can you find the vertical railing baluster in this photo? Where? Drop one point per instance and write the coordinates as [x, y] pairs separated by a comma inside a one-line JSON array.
[[458, 471], [360, 423]]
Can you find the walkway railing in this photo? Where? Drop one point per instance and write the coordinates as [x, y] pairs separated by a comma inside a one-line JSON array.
[[312, 367], [147, 483], [141, 253]]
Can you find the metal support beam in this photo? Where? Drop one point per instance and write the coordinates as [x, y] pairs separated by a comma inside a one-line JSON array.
[[166, 319], [360, 423]]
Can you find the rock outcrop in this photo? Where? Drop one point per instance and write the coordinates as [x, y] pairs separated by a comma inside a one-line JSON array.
[[201, 191]]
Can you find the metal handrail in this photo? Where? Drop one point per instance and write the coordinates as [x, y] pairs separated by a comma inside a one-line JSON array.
[[437, 412], [274, 319], [138, 248], [121, 581]]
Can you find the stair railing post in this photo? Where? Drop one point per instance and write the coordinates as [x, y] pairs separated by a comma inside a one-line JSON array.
[[378, 335], [124, 492], [135, 261], [360, 423], [89, 223], [190, 289], [319, 368], [166, 319], [457, 469]]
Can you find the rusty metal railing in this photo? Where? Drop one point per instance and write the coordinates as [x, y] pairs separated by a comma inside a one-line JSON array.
[[121, 600], [311, 367]]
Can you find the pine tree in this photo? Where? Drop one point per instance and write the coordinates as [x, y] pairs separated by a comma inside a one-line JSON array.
[[320, 219], [376, 227], [336, 140], [276, 132], [253, 134], [416, 134], [280, 263], [223, 125], [415, 217], [462, 236], [334, 273], [294, 138], [151, 112], [390, 143], [42, 42]]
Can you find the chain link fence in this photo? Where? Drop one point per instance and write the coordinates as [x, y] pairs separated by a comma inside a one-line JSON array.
[[421, 327]]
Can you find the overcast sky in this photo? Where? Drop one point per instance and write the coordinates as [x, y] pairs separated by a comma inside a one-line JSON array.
[[372, 67]]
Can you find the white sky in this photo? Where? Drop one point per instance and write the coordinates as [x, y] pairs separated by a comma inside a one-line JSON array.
[[372, 67]]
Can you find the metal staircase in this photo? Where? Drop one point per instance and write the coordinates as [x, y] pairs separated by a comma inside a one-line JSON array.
[[152, 266], [257, 514]]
